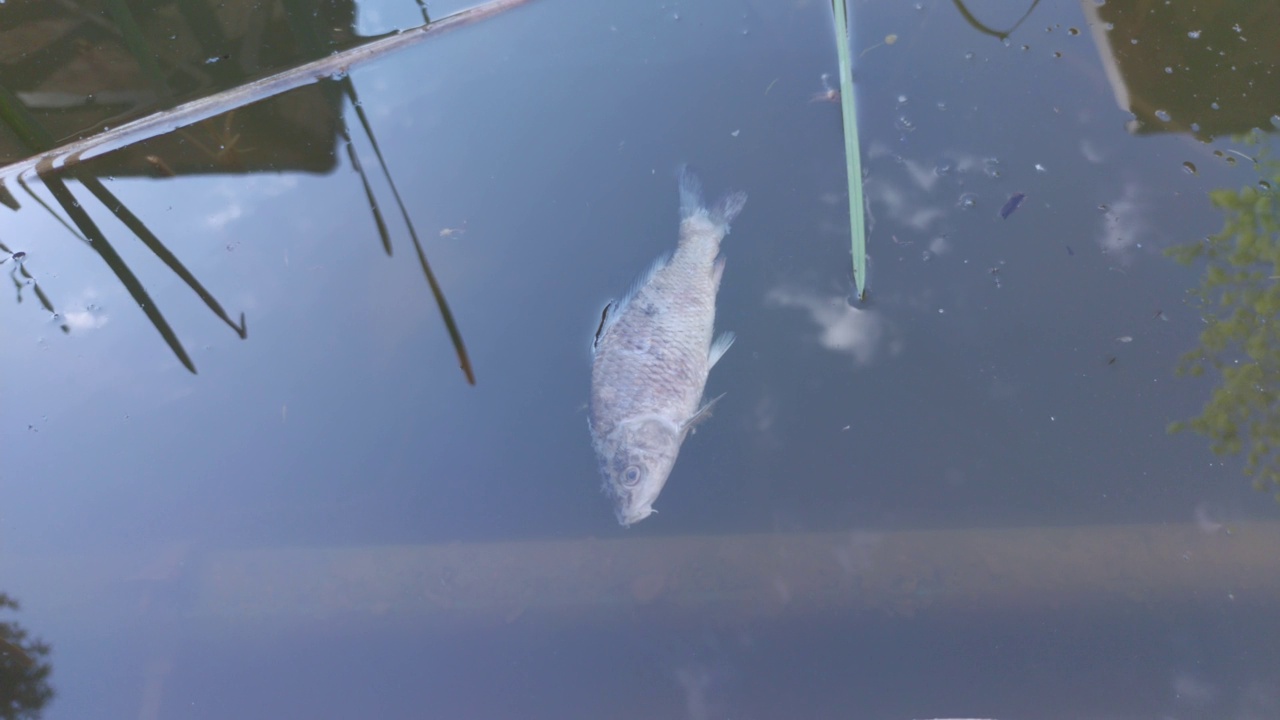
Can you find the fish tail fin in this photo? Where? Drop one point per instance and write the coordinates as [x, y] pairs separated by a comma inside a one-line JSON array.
[[691, 204], [690, 194], [727, 208]]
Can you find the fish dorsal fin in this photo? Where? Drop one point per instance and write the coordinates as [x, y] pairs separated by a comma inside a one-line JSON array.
[[615, 308], [654, 268], [720, 347], [703, 413]]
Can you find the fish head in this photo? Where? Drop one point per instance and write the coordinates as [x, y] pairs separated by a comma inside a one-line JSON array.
[[638, 464]]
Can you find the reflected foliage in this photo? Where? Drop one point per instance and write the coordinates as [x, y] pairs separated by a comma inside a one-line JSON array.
[[1239, 298], [24, 670]]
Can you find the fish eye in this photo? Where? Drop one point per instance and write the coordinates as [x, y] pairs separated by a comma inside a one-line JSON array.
[[631, 476]]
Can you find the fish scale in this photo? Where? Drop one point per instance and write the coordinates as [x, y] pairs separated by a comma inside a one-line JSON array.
[[652, 354]]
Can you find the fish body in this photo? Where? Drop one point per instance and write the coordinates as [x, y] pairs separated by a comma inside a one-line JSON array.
[[651, 356]]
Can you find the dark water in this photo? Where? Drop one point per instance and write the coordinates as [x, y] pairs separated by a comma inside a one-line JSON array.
[[1005, 372]]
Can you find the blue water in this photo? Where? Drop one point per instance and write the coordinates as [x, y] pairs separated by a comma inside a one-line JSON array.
[[1004, 372]]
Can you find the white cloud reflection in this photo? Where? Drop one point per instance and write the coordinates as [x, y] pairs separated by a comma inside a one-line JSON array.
[[1123, 224], [85, 313], [843, 328]]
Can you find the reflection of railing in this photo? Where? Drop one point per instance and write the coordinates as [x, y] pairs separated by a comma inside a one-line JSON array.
[[83, 161], [747, 578], [1239, 297]]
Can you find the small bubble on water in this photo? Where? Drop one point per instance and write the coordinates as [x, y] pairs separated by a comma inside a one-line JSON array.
[[1190, 167], [942, 169], [926, 256], [1215, 105], [967, 201], [1194, 34], [1275, 120], [942, 105], [1073, 31], [1025, 48], [1133, 41], [1040, 168], [991, 167], [675, 16], [1168, 70], [1163, 115], [1195, 127], [969, 55], [904, 124], [902, 99]]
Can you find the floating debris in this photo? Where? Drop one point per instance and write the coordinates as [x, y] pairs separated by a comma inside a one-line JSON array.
[[1012, 204], [828, 94]]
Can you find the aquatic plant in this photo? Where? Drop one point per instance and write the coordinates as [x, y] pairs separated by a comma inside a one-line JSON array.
[[852, 152]]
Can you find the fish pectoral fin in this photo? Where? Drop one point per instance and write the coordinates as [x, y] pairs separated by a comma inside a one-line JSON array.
[[719, 348], [690, 425]]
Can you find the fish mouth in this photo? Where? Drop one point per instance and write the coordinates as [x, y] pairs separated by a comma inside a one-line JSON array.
[[630, 516]]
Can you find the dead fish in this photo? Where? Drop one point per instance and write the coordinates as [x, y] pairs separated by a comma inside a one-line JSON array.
[[651, 356], [1012, 204]]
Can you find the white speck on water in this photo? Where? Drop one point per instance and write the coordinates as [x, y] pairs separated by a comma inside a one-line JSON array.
[[735, 133], [1194, 34]]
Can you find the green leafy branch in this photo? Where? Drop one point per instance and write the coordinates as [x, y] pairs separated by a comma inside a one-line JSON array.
[[1239, 298]]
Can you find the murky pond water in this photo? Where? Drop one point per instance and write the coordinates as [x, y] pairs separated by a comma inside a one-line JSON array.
[[246, 475]]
